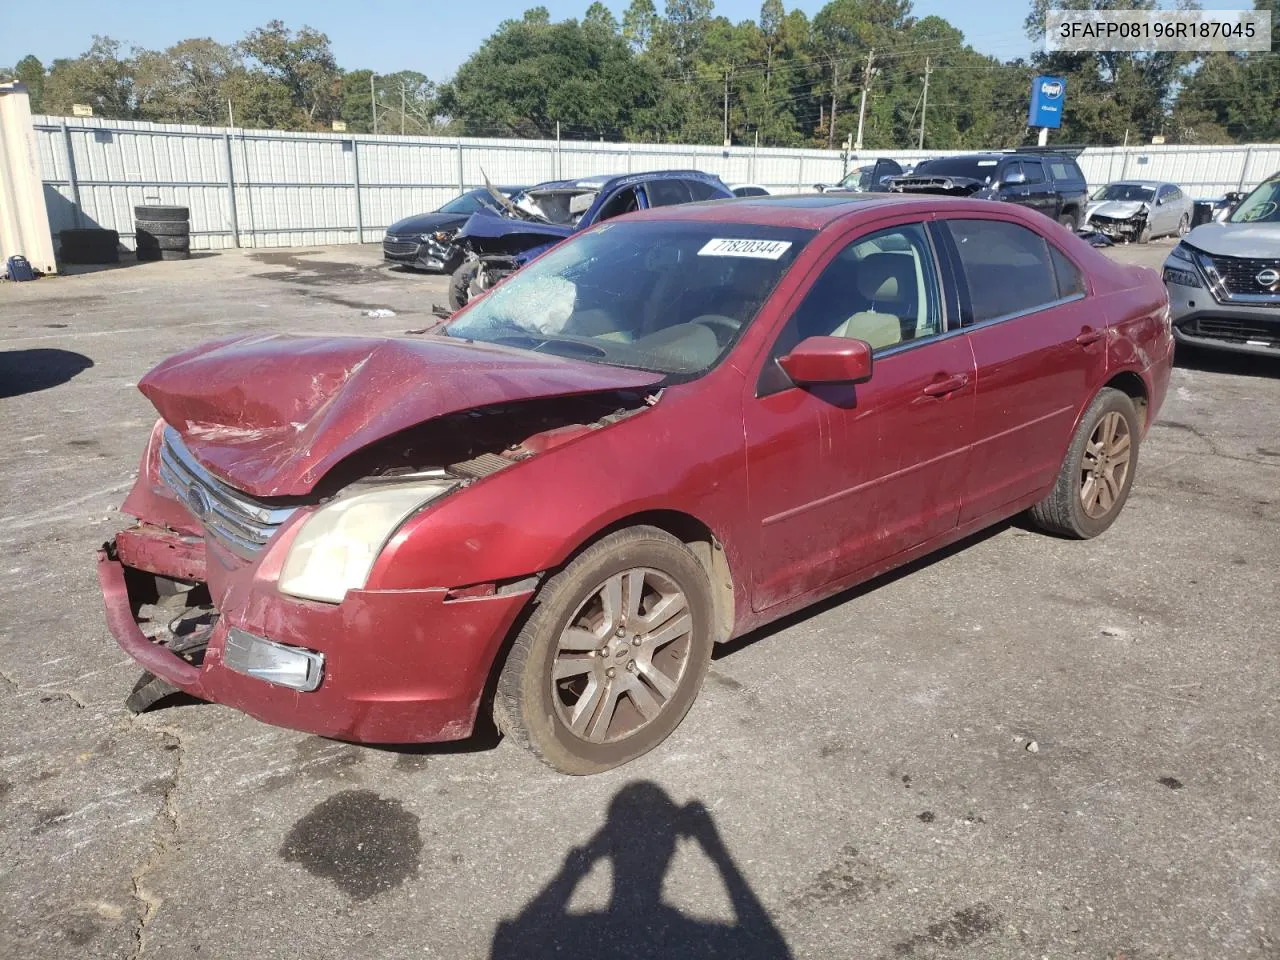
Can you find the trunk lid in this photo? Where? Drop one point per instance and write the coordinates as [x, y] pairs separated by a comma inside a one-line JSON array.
[[272, 414]]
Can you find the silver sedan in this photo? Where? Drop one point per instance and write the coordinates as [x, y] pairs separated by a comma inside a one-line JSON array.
[[1139, 210]]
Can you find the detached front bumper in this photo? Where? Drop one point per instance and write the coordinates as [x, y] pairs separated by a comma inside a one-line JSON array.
[[399, 666]]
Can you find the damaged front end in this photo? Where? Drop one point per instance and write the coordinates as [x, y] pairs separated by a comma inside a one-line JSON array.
[[254, 586], [1129, 229], [940, 185]]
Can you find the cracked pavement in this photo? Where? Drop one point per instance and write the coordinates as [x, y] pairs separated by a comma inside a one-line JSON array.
[[856, 781]]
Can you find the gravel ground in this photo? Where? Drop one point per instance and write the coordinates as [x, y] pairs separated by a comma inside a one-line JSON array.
[[1021, 747]]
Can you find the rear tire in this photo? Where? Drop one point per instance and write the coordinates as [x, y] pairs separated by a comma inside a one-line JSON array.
[[612, 656], [1184, 225], [1098, 471]]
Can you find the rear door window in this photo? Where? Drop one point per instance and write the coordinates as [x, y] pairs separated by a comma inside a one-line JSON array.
[[701, 190], [666, 193], [1007, 268]]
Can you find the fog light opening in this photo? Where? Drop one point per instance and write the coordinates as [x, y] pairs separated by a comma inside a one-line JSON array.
[[273, 662]]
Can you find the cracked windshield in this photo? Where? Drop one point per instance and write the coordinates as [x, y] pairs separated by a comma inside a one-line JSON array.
[[668, 297]]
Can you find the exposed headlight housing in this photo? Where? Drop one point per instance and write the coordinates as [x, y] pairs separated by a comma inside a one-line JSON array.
[[336, 548], [1182, 252]]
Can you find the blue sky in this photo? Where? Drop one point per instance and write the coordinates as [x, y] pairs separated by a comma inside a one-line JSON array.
[[431, 36]]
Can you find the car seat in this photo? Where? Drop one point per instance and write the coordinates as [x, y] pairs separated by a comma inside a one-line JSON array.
[[887, 282]]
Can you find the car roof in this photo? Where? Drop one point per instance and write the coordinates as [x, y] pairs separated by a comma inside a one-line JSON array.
[[600, 180], [1138, 183], [815, 211]]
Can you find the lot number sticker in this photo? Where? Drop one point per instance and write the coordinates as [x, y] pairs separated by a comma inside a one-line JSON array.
[[759, 249]]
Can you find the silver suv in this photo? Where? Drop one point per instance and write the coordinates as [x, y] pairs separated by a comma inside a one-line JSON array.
[[1224, 278]]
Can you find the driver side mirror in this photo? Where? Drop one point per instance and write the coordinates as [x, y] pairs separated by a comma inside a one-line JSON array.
[[1015, 177], [817, 360]]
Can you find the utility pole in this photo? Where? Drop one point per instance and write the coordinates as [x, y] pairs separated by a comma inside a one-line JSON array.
[[925, 108], [373, 103], [866, 83], [402, 108], [835, 83], [726, 108]]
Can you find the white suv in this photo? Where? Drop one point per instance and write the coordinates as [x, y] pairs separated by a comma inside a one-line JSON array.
[[1224, 278]]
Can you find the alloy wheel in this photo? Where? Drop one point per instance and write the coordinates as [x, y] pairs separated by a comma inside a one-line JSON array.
[[1105, 468], [620, 660]]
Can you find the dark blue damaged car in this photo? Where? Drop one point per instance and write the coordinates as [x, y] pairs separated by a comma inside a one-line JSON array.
[[495, 243]]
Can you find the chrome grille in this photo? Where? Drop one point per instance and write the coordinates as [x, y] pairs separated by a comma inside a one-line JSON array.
[[400, 248], [241, 523], [1236, 278]]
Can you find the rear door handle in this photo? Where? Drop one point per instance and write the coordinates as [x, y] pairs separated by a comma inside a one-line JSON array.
[[1090, 336], [940, 388]]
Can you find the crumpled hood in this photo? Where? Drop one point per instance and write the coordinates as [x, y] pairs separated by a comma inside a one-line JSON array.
[[490, 225], [272, 414], [1259, 240], [1115, 209], [426, 223]]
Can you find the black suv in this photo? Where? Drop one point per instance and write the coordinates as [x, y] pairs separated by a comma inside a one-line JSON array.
[[1048, 182]]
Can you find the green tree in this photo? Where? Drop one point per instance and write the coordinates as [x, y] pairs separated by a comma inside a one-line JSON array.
[[185, 83], [528, 75], [639, 22], [600, 16], [99, 78], [300, 61], [29, 71]]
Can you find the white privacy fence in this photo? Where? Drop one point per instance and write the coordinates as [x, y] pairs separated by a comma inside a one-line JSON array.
[[258, 188]]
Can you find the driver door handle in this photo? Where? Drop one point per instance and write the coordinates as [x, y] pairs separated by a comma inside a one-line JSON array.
[[1088, 336], [940, 388]]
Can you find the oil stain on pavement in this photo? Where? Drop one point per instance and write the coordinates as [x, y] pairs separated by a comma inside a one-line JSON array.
[[362, 842]]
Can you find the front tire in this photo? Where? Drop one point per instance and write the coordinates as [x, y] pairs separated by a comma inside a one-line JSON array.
[[1098, 471], [460, 284], [1068, 220], [613, 655]]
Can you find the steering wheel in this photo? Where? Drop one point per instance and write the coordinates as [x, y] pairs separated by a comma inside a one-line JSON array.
[[724, 328]]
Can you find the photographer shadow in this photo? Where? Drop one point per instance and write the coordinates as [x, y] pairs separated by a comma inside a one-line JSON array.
[[640, 838]]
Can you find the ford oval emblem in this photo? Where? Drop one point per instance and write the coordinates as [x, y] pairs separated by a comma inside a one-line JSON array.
[[198, 502], [1268, 277], [1051, 89]]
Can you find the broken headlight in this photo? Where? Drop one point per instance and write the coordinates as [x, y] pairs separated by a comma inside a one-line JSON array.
[[1182, 252], [440, 236], [338, 544]]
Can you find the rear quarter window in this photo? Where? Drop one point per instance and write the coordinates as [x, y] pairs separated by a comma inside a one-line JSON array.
[[1066, 170]]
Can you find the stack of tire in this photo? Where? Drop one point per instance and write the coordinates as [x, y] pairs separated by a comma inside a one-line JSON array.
[[162, 233]]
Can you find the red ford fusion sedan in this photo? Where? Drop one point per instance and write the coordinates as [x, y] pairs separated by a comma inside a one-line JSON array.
[[665, 432]]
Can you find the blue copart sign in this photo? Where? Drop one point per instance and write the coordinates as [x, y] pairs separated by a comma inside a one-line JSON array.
[[1048, 95]]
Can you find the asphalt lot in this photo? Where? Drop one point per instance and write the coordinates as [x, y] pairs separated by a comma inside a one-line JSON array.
[[865, 769]]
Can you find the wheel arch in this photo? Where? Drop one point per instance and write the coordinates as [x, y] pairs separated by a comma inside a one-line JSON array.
[[1135, 388], [699, 538]]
